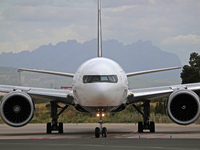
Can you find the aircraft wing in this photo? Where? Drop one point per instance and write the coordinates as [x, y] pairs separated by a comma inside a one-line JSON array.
[[47, 72], [150, 71], [136, 95], [64, 96]]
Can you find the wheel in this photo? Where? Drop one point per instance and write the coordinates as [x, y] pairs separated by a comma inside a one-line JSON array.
[[152, 126], [104, 132], [60, 127], [97, 132], [48, 127], [140, 127]]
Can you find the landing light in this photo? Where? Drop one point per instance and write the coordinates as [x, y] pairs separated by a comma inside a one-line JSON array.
[[102, 115]]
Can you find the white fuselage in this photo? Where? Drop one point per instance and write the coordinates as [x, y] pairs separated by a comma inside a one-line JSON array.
[[100, 83]]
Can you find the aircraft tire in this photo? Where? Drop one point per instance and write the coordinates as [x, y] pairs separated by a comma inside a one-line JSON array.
[[152, 127], [48, 128], [140, 127], [97, 132], [104, 132], [60, 127]]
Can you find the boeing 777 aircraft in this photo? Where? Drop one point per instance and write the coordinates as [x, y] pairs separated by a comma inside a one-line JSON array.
[[100, 86]]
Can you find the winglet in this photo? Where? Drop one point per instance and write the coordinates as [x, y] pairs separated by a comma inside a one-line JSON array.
[[99, 47]]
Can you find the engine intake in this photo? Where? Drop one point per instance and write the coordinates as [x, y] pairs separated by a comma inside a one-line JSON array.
[[17, 109], [183, 107]]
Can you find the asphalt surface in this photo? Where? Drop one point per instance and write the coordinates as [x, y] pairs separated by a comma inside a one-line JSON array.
[[101, 144], [81, 136]]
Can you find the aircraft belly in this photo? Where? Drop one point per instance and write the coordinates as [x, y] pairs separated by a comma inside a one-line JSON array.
[[106, 109]]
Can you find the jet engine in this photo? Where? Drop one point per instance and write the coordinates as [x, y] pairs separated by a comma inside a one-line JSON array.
[[17, 108], [183, 107]]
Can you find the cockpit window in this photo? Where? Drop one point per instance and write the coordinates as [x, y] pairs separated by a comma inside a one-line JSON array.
[[98, 78]]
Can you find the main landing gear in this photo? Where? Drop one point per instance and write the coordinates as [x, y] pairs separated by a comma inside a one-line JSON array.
[[101, 130], [146, 125], [54, 125]]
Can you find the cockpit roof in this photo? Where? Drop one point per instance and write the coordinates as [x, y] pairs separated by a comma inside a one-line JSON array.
[[100, 66]]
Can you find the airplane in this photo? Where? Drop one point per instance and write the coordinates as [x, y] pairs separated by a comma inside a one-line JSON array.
[[99, 86]]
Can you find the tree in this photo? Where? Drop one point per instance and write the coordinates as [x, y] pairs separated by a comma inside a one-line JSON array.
[[191, 74], [195, 60], [160, 108]]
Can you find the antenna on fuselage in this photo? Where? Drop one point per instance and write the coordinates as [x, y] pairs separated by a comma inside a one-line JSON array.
[[99, 48]]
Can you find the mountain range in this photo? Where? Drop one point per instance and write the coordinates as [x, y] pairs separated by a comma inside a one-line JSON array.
[[68, 56]]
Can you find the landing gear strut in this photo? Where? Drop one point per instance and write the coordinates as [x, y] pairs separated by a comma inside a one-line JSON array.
[[54, 125], [146, 125], [101, 130]]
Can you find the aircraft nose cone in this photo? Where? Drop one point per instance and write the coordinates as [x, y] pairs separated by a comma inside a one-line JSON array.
[[98, 95], [101, 92]]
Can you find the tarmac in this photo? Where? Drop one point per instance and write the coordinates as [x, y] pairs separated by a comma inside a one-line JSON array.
[[81, 136]]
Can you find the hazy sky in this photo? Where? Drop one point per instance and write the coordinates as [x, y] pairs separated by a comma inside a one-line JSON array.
[[172, 25]]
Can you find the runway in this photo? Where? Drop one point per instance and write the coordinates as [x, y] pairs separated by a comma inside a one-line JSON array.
[[99, 144], [81, 136], [119, 130]]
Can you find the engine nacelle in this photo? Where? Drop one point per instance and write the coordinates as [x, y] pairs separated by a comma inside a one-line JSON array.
[[17, 109], [183, 107]]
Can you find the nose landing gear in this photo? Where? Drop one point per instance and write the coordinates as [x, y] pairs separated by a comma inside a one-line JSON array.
[[100, 130]]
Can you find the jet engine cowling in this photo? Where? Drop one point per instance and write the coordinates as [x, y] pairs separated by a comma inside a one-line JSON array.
[[17, 108], [183, 107]]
